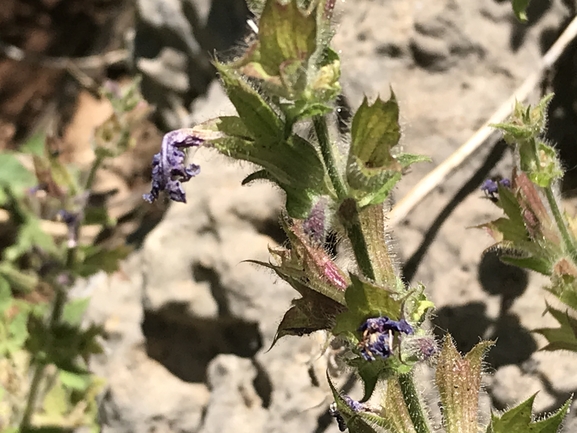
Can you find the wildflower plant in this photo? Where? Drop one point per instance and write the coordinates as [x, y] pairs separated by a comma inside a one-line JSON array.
[[284, 89], [45, 348]]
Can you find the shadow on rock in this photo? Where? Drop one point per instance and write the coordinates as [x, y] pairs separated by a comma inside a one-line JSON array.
[[499, 279], [469, 323], [186, 347]]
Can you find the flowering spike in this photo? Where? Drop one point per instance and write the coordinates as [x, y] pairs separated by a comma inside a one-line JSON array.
[[168, 168]]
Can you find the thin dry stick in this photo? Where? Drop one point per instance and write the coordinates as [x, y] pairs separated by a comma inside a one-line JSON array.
[[447, 167], [90, 62]]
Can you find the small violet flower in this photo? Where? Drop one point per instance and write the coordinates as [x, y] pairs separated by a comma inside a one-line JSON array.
[[168, 168], [377, 336], [491, 187], [354, 405], [72, 221]]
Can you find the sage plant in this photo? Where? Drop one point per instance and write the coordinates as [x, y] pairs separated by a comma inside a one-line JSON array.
[[45, 348], [284, 89]]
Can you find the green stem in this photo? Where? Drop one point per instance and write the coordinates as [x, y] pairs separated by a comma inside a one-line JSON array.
[[55, 315], [32, 395], [413, 402], [92, 174], [567, 238], [322, 132], [349, 217]]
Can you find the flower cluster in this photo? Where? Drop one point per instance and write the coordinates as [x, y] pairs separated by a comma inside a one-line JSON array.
[[377, 336], [168, 168], [491, 186]]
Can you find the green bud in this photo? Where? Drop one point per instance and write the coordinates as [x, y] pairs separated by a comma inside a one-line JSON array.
[[458, 379], [546, 168]]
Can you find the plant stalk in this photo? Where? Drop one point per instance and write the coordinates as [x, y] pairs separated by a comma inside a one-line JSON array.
[[565, 235], [568, 240], [411, 397], [56, 313], [322, 132]]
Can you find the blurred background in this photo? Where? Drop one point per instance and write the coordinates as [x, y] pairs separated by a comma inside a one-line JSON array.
[[188, 325]]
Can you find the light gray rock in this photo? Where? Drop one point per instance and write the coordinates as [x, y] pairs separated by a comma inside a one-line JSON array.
[[234, 402]]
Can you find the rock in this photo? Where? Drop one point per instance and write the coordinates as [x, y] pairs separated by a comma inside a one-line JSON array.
[[234, 402]]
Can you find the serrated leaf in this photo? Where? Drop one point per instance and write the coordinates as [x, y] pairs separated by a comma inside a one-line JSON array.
[[375, 131], [258, 117], [520, 9], [519, 420], [564, 337], [285, 33], [537, 264], [313, 312], [459, 382], [292, 163]]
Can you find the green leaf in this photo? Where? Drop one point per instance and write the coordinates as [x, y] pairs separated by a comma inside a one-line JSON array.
[[258, 117], [373, 371], [537, 264], [74, 311], [394, 409], [520, 9], [34, 145], [564, 337], [79, 382], [375, 131], [459, 382], [365, 300], [354, 420], [97, 215], [519, 420], [547, 168], [285, 34], [325, 85], [6, 298], [30, 235], [13, 175], [93, 259], [313, 312], [56, 404]]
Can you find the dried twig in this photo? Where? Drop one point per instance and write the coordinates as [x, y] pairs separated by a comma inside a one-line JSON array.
[[484, 133], [89, 62]]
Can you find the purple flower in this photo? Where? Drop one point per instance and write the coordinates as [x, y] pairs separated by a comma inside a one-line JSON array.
[[491, 186], [354, 405], [168, 168], [72, 221], [378, 333]]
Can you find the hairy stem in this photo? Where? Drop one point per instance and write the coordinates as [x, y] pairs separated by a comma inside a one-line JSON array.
[[349, 218], [411, 397], [567, 238], [322, 132]]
